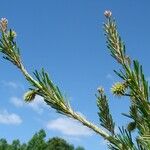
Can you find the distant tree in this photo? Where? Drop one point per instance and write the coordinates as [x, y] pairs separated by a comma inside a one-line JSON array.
[[15, 145], [58, 144], [37, 142], [23, 146], [79, 148], [3, 144]]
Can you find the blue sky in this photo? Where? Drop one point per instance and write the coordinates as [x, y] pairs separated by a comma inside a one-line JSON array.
[[66, 38]]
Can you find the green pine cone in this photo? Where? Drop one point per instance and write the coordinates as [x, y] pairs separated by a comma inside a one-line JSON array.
[[29, 95]]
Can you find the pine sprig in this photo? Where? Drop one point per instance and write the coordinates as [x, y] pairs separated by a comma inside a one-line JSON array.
[[51, 93], [105, 116], [114, 41], [8, 44]]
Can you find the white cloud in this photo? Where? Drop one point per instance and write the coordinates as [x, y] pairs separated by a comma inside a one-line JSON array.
[[16, 101], [38, 104], [9, 118], [68, 126], [12, 84], [72, 139]]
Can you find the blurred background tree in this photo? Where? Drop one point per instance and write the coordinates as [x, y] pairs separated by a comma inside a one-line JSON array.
[[38, 142]]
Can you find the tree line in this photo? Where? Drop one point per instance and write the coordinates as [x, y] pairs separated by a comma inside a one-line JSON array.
[[38, 142]]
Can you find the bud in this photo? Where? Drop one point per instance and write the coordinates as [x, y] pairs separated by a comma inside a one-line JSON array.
[[119, 88], [107, 13], [3, 24], [12, 34], [100, 90], [29, 96], [131, 126]]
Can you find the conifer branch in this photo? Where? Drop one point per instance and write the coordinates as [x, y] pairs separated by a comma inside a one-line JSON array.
[[41, 84], [105, 116], [134, 83]]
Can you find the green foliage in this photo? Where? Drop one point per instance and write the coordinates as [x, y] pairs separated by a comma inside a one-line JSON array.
[[58, 144], [137, 88], [51, 93], [133, 85], [8, 46], [15, 145], [38, 142], [104, 113], [3, 144], [79, 148]]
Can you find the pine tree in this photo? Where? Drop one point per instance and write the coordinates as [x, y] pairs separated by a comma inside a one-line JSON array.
[[3, 144], [37, 142], [58, 144], [79, 148], [133, 85]]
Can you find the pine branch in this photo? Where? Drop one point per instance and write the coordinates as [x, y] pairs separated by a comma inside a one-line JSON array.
[[132, 76], [42, 84]]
